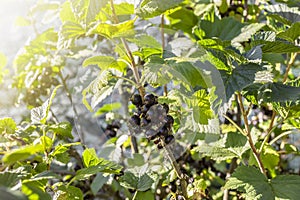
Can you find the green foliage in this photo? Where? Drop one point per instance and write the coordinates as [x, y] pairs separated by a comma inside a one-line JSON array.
[[149, 9], [139, 182], [255, 186], [226, 99]]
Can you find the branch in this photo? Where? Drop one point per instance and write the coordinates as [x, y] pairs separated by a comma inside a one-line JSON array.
[[247, 131], [135, 71], [289, 65], [68, 93], [162, 32], [129, 54], [176, 167]]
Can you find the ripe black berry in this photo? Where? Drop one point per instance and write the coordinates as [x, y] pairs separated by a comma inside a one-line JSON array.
[[156, 141], [116, 124], [173, 187], [145, 109], [145, 121], [169, 120], [164, 131], [169, 138], [135, 120], [159, 146], [110, 133], [150, 100], [166, 107], [136, 100], [151, 134]]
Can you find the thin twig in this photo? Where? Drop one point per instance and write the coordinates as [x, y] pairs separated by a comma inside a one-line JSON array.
[[162, 32], [129, 54], [134, 70], [176, 167], [289, 65], [76, 117], [250, 140]]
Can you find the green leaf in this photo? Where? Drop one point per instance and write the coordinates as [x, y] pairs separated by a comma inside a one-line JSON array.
[[7, 125], [225, 29], [235, 140], [68, 193], [35, 190], [90, 157], [81, 11], [200, 104], [105, 62], [45, 175], [278, 92], [278, 47], [152, 8], [147, 195], [137, 160], [140, 183], [22, 153], [215, 152], [123, 29], [46, 142], [9, 194], [123, 8], [99, 89], [71, 30], [95, 165], [283, 13], [98, 182], [240, 77], [8, 179], [39, 114], [66, 13], [286, 186], [107, 108], [292, 33], [247, 32], [269, 157], [60, 152], [145, 41], [252, 182], [182, 19], [63, 129]]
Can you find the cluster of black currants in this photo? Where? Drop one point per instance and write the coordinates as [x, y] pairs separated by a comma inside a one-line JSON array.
[[112, 128], [40, 87], [149, 115]]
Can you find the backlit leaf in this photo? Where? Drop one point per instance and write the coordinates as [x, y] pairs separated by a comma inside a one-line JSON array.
[[152, 8], [7, 126], [252, 182], [22, 153]]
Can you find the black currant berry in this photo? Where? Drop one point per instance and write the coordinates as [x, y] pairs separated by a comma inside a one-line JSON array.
[[145, 121], [166, 107], [116, 124], [136, 100], [145, 109], [159, 146], [173, 187], [163, 131], [169, 120], [110, 133], [150, 100], [156, 141], [168, 139], [151, 134], [135, 120]]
